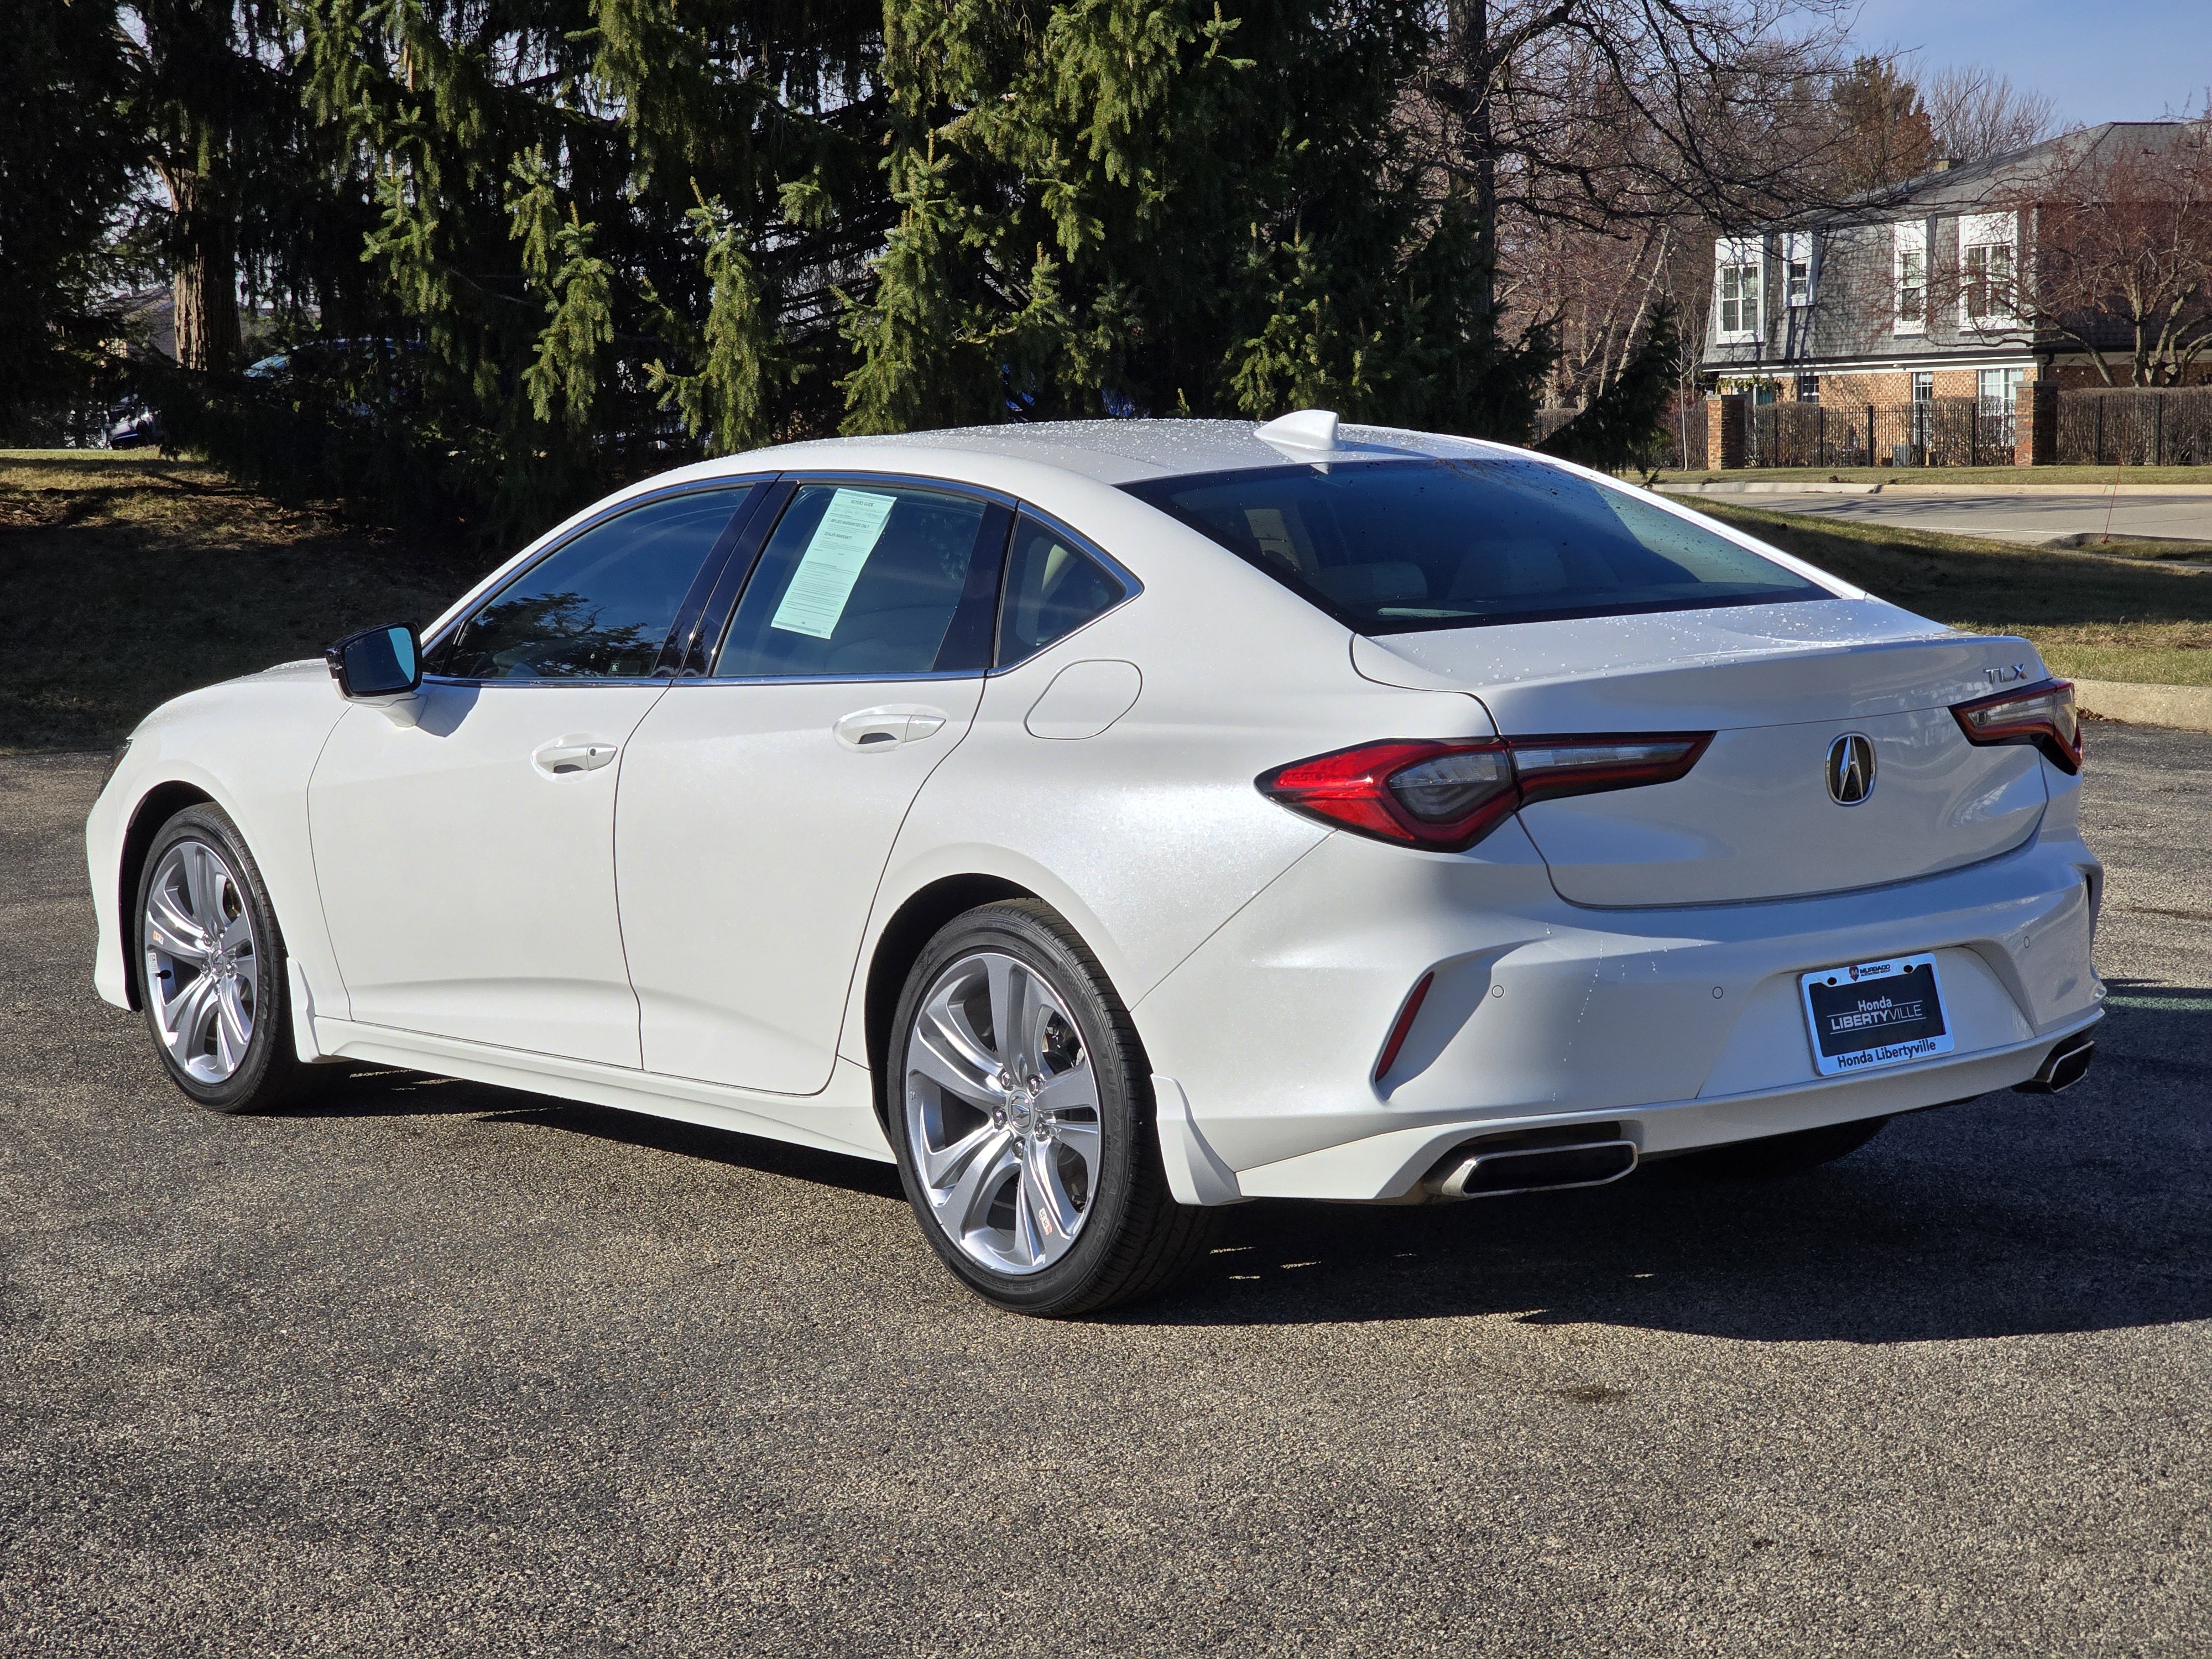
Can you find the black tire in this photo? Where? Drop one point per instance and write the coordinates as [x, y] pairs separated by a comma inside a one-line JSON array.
[[1773, 1156], [1134, 1240], [269, 1074]]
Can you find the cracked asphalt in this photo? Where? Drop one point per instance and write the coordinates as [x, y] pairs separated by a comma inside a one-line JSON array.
[[438, 1369]]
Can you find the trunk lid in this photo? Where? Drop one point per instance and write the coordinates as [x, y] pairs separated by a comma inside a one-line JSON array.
[[1779, 684]]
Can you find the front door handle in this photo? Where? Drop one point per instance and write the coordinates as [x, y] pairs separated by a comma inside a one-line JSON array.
[[572, 754], [889, 726]]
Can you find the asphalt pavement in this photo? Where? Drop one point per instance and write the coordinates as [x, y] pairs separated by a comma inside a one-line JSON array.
[[2032, 519], [435, 1368]]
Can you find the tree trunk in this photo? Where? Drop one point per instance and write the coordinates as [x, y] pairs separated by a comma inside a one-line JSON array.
[[1467, 39], [205, 273]]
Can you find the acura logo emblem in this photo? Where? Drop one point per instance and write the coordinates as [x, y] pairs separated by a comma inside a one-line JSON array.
[[1851, 770]]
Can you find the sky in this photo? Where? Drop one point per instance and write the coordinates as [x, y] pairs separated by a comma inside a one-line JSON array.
[[2103, 60]]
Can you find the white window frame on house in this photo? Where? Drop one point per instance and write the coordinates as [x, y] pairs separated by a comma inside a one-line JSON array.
[[1909, 273], [1800, 267], [1739, 289], [1987, 264], [1996, 401]]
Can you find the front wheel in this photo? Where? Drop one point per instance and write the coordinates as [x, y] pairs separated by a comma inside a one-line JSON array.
[[1020, 1110], [211, 961]]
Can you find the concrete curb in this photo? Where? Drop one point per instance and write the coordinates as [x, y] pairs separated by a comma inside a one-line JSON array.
[[2186, 706], [1762, 486], [1774, 487]]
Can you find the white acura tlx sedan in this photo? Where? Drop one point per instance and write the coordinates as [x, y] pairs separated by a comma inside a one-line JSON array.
[[1111, 821]]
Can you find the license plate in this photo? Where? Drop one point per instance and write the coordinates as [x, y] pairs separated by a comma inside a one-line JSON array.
[[1874, 1013]]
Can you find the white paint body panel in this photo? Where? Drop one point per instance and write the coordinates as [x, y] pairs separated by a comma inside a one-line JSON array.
[[747, 853], [729, 878], [470, 892]]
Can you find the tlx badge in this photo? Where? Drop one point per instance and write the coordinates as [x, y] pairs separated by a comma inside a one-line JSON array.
[[2005, 675]]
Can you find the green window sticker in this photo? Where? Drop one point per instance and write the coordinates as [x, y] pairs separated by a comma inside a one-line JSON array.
[[836, 555]]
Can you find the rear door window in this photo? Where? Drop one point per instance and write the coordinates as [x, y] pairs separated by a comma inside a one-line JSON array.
[[1389, 547], [870, 580]]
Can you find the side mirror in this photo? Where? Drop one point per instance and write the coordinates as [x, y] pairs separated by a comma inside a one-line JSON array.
[[379, 662]]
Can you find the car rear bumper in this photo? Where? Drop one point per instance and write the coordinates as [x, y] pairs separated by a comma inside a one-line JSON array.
[[1682, 1026]]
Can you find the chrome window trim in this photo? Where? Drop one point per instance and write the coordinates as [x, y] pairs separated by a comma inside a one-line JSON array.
[[476, 602], [816, 680]]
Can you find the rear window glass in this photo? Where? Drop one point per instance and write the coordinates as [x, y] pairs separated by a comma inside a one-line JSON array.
[[1391, 547]]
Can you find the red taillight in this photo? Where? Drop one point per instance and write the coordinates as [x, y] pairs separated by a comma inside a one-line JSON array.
[[2042, 713], [1448, 796]]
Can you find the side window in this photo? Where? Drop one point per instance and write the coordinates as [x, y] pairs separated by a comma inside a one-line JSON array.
[[1052, 590], [873, 579], [598, 606]]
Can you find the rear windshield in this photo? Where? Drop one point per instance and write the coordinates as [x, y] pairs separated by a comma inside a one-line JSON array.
[[1395, 547]]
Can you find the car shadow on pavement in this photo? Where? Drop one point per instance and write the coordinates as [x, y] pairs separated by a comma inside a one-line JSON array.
[[2008, 1215], [383, 1091]]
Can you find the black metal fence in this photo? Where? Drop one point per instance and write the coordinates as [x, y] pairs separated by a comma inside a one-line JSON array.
[[2167, 427], [1933, 432]]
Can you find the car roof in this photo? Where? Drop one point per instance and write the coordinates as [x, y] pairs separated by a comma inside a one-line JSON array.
[[1118, 451]]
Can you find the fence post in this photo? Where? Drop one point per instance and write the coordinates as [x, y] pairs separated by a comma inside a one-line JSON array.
[[2158, 429], [2035, 440], [2099, 459], [1726, 416], [1821, 434], [1870, 459]]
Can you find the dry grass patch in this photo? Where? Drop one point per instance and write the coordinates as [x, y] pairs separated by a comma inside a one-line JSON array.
[[2096, 617], [126, 581]]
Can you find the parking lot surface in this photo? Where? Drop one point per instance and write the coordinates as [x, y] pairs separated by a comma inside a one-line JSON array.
[[2032, 519], [434, 1368]]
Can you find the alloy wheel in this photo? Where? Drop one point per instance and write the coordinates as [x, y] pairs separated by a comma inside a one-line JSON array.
[[1002, 1113], [202, 967]]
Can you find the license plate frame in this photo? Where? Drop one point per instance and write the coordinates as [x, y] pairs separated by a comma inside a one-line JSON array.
[[1852, 1031]]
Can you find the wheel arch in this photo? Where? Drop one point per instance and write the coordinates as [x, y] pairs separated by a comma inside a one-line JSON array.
[[904, 937], [154, 808]]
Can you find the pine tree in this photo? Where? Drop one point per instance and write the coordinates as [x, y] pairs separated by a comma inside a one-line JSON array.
[[66, 153]]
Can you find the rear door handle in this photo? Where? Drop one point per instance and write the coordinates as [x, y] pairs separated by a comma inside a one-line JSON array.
[[572, 754], [889, 726]]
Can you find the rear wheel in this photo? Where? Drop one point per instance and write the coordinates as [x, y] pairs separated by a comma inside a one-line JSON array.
[[1772, 1156], [1020, 1108], [211, 961]]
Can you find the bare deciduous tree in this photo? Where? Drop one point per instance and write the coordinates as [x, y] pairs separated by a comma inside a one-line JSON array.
[[2119, 262], [1607, 116], [1974, 113]]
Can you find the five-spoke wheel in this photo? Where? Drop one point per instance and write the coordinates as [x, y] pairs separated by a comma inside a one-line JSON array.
[[200, 961], [211, 967], [1020, 1110], [1002, 1112]]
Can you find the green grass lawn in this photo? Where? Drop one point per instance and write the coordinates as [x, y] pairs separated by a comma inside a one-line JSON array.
[[2079, 477], [128, 579], [2092, 618]]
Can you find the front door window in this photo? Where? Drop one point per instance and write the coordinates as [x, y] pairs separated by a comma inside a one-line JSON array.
[[599, 605]]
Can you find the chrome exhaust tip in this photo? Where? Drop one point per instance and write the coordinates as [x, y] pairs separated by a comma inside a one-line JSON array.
[[1542, 1160], [2063, 1068]]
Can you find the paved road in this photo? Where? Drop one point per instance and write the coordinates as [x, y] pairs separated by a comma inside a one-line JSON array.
[[2032, 518], [438, 1369]]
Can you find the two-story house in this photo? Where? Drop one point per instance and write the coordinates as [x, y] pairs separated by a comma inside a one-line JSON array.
[[1906, 298]]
